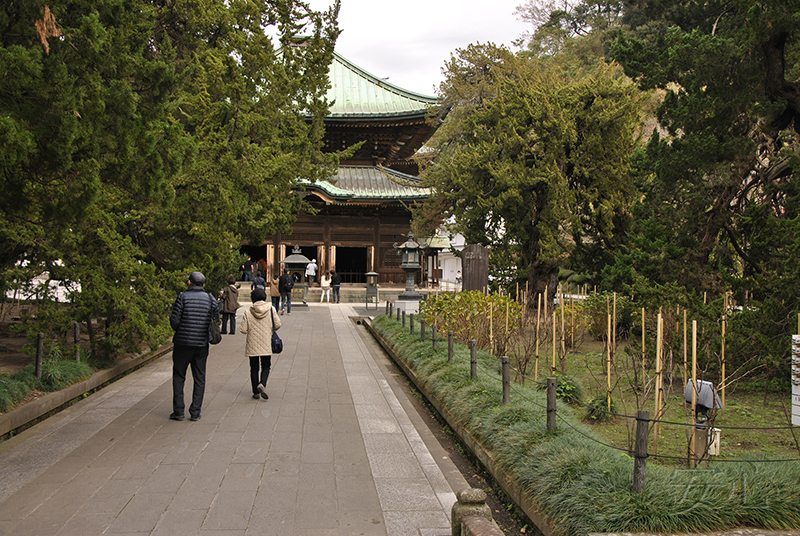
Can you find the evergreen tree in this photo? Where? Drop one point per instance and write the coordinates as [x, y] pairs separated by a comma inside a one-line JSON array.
[[533, 157], [142, 139]]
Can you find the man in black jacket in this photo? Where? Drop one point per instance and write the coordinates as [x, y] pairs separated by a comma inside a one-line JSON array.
[[336, 283], [192, 313], [285, 285]]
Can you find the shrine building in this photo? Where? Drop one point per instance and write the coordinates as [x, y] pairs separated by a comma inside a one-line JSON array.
[[363, 209]]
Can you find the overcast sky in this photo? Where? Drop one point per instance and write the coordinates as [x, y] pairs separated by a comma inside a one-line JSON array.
[[409, 41]]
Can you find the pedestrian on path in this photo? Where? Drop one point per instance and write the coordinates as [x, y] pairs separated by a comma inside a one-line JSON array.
[[311, 272], [325, 285], [230, 303], [258, 323], [285, 285], [258, 282], [275, 291], [192, 313], [247, 268], [336, 282]]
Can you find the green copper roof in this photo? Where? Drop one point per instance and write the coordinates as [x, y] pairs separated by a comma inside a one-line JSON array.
[[355, 184], [357, 94]]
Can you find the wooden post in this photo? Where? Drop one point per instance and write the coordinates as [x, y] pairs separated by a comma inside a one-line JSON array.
[[434, 337], [449, 346], [404, 319], [411, 322], [422, 329], [473, 359], [551, 404], [640, 450], [77, 337], [39, 356], [506, 379], [398, 314]]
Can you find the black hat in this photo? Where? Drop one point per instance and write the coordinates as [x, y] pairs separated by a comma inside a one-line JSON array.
[[196, 278]]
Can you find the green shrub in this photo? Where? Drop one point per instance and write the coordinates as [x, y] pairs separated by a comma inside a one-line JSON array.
[[568, 388], [597, 409]]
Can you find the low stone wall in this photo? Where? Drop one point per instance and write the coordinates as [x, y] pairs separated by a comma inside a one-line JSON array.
[[52, 401]]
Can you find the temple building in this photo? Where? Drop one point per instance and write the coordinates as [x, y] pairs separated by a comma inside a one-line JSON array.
[[363, 209]]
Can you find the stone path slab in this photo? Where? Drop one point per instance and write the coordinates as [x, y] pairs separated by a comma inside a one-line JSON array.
[[336, 450]]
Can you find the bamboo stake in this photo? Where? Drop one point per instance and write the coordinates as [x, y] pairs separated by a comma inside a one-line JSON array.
[[657, 429], [724, 330], [608, 361], [614, 328], [554, 341], [644, 367], [685, 349], [563, 333], [694, 391], [538, 317], [508, 305], [491, 327]]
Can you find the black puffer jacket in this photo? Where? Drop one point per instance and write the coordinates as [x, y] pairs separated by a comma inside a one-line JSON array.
[[191, 314]]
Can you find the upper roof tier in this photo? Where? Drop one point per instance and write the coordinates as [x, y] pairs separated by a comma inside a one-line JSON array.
[[359, 95]]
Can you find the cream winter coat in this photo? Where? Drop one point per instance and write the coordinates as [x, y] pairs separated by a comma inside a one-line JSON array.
[[258, 328]]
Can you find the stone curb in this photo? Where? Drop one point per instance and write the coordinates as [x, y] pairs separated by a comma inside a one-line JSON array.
[[33, 410]]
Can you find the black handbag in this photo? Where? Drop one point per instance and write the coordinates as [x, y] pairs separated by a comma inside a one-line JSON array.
[[213, 329], [277, 343]]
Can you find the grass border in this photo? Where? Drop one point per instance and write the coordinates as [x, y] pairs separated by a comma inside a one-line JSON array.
[[566, 483]]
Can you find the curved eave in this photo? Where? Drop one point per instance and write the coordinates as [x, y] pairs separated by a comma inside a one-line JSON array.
[[368, 185]]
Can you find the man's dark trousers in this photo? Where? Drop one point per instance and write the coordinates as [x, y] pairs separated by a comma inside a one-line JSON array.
[[182, 358]]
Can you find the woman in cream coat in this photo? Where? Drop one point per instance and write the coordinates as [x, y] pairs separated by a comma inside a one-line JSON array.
[[257, 323]]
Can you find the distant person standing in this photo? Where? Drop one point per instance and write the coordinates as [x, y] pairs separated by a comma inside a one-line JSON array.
[[325, 285], [247, 268], [311, 272], [275, 291], [192, 313], [336, 282], [258, 282], [285, 285], [258, 323], [230, 303]]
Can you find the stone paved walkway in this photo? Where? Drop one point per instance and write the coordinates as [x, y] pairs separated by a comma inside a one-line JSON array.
[[336, 450]]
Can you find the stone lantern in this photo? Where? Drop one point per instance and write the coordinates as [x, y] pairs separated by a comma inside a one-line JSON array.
[[410, 263], [296, 264]]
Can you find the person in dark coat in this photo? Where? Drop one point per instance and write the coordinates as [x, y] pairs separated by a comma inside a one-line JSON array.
[[285, 285], [336, 283], [258, 282], [230, 303], [247, 268], [191, 315]]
